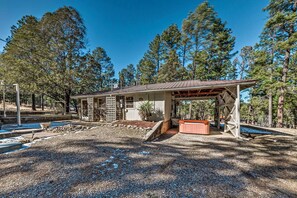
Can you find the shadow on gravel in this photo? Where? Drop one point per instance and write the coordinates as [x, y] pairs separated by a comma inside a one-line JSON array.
[[127, 167]]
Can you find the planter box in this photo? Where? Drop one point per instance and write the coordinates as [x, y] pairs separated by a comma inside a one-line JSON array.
[[194, 126]]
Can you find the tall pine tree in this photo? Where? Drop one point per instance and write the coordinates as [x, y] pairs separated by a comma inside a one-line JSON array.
[[283, 22]]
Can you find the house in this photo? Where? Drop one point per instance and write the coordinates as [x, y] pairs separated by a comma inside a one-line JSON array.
[[123, 104]]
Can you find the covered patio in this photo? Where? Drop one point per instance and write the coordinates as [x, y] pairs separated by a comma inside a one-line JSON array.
[[227, 105]]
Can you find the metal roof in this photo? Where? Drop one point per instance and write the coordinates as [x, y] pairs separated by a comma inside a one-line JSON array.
[[172, 86]]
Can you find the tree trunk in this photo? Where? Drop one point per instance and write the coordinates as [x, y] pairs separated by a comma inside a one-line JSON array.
[[270, 107], [270, 110], [295, 118], [184, 56], [42, 102], [249, 114], [281, 99], [33, 102], [67, 101]]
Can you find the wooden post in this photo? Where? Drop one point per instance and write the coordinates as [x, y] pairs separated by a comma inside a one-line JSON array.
[[167, 112], [90, 102], [17, 88], [217, 113], [238, 112], [81, 109]]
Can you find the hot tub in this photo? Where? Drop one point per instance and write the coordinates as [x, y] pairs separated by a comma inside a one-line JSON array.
[[194, 126]]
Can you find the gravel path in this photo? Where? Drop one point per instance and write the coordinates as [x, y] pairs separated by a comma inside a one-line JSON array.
[[113, 162]]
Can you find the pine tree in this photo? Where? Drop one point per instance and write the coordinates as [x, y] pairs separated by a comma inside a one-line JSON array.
[[246, 56], [22, 56], [170, 69], [283, 21], [220, 46], [102, 68], [171, 39], [210, 44], [131, 73], [149, 65], [264, 69], [146, 71], [64, 32], [122, 81], [90, 78], [195, 27], [127, 76]]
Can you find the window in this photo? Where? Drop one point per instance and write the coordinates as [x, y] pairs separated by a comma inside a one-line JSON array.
[[140, 99], [129, 102]]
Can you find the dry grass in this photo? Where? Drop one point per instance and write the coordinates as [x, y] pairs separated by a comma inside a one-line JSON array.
[[12, 107]]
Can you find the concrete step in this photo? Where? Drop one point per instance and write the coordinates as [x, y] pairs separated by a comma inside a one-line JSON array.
[[6, 147]]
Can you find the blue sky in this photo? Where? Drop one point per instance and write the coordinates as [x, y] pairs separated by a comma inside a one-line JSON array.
[[124, 28]]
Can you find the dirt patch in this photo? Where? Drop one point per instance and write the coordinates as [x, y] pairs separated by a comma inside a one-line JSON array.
[[113, 162], [143, 124]]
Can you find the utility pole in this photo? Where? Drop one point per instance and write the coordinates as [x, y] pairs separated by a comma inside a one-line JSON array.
[[4, 90]]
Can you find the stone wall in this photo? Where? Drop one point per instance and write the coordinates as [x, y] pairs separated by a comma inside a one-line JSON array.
[[155, 132]]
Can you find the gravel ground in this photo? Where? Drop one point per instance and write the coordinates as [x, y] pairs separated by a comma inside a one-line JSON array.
[[113, 162]]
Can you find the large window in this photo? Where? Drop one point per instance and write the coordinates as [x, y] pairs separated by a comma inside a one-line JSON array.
[[129, 102]]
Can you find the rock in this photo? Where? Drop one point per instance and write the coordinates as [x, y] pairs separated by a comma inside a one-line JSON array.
[[24, 141], [78, 127]]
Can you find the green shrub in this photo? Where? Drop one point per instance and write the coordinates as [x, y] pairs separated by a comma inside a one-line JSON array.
[[145, 110]]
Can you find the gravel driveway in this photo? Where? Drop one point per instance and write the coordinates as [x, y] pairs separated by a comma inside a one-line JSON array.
[[113, 162]]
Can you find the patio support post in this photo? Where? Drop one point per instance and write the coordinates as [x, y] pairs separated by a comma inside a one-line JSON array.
[[167, 112], [217, 113], [238, 112], [90, 102]]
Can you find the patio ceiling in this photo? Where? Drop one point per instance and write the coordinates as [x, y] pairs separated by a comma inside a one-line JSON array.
[[197, 94]]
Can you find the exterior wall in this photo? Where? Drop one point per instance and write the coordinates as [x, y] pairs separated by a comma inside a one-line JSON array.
[[161, 105], [157, 98]]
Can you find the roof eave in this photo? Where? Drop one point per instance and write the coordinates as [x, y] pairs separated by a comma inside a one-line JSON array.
[[247, 85]]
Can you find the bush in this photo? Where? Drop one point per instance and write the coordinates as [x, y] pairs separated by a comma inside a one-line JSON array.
[[145, 110]]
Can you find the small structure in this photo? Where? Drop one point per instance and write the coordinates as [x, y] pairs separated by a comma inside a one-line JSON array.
[[123, 104]]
